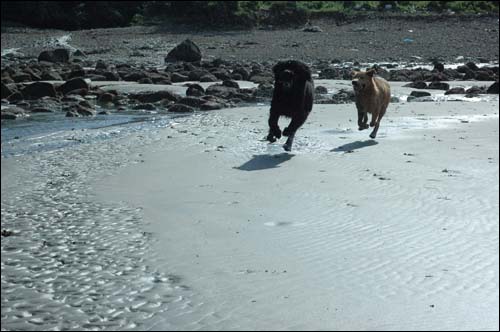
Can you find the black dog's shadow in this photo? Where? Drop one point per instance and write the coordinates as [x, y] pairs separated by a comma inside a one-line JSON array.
[[265, 161], [354, 146]]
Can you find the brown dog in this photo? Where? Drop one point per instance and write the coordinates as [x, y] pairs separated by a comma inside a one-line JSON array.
[[373, 94]]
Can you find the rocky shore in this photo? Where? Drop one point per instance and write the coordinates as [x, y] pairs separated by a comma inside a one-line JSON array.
[[65, 65]]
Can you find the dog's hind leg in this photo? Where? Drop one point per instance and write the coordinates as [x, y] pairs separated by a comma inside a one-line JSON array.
[[289, 142]]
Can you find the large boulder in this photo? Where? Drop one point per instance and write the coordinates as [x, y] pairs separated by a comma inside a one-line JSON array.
[[38, 90], [74, 84], [493, 88], [186, 51], [57, 55]]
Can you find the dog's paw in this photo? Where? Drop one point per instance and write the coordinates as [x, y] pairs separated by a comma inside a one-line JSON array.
[[363, 126], [287, 147], [275, 132], [271, 138], [372, 135]]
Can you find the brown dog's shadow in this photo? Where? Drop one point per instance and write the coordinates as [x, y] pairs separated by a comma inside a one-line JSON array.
[[265, 161], [354, 146]]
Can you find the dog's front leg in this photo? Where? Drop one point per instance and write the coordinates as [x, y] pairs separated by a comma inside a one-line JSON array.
[[362, 118], [274, 129]]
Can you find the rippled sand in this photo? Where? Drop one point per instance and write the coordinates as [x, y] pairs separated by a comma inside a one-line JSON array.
[[198, 224]]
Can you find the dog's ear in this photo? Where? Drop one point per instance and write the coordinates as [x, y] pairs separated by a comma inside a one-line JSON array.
[[370, 73]]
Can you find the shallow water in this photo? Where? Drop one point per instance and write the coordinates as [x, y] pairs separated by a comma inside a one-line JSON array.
[[47, 132]]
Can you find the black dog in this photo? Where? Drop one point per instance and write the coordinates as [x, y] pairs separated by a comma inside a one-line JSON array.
[[292, 97]]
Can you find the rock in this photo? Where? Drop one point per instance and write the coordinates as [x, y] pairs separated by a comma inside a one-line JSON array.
[[51, 76], [197, 74], [15, 96], [153, 97], [180, 108], [475, 90], [176, 78], [418, 94], [244, 73], [12, 113], [79, 53], [19, 77], [111, 76], [6, 91], [416, 85], [192, 101], [145, 80], [484, 75], [195, 90], [79, 72], [38, 90], [472, 66], [106, 98], [96, 78], [57, 55], [74, 84], [210, 105], [312, 28], [185, 51], [41, 110], [101, 65], [221, 91], [133, 76], [455, 91], [80, 92], [493, 89], [438, 86], [265, 90], [208, 78], [438, 67], [221, 74], [262, 78], [231, 84], [320, 90], [147, 107], [78, 110]]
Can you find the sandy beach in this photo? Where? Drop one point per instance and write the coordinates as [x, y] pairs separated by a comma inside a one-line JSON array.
[[198, 224], [343, 233]]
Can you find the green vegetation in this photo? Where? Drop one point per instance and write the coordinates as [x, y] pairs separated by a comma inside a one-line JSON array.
[[93, 14]]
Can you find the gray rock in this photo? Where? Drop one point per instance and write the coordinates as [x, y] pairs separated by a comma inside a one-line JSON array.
[[185, 51], [493, 89], [74, 84], [438, 86], [57, 55], [153, 97], [210, 105], [195, 90], [12, 113], [320, 90], [38, 90], [419, 94], [455, 91], [180, 108]]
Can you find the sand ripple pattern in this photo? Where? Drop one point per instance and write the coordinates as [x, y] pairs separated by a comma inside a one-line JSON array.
[[74, 263]]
